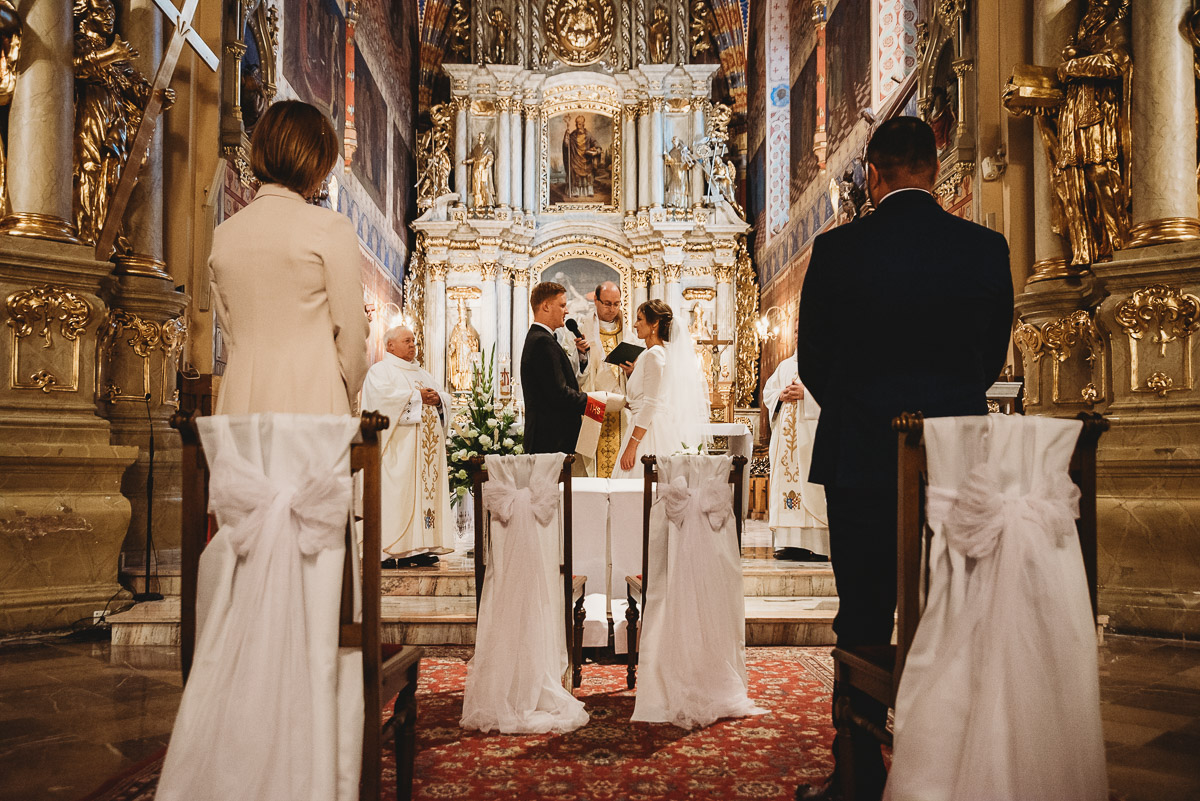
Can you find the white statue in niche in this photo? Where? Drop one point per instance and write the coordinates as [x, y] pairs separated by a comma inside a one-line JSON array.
[[678, 161]]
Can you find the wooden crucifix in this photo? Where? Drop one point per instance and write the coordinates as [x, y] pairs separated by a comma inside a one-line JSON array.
[[183, 33]]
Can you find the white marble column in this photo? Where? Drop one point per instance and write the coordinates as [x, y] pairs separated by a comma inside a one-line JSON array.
[[435, 323], [673, 294], [697, 172], [531, 164], [504, 316], [1054, 23], [487, 308], [520, 320], [656, 151], [41, 125], [656, 284], [629, 150], [726, 317], [504, 152], [518, 152], [640, 279], [1163, 122], [461, 183], [643, 177]]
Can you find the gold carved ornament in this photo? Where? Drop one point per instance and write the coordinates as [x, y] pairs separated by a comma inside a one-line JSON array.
[[579, 31], [145, 339], [746, 288], [1168, 315], [703, 29], [433, 157], [463, 343], [414, 293], [1059, 339], [44, 306]]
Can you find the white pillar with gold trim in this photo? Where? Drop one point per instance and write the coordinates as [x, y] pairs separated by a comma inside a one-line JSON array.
[[435, 323]]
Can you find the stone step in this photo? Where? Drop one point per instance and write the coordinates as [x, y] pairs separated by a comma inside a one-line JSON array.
[[450, 620]]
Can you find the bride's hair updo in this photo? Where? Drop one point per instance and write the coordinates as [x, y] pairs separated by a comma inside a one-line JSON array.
[[659, 315]]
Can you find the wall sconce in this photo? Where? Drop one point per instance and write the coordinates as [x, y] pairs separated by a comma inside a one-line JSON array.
[[993, 166], [770, 325]]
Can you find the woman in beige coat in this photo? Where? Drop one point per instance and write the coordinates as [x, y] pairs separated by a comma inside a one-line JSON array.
[[287, 281]]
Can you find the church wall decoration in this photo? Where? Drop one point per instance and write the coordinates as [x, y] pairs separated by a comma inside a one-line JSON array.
[[804, 114], [371, 125], [248, 78], [41, 318], [581, 160], [314, 55], [403, 186], [946, 100], [848, 67]]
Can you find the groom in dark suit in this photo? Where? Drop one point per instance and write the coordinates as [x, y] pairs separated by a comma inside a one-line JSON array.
[[553, 403], [906, 310]]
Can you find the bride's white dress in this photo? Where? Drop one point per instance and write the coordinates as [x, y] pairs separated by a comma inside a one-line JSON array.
[[644, 395]]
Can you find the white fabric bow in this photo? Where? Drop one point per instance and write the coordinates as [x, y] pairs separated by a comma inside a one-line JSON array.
[[317, 508], [975, 514], [711, 498], [504, 500]]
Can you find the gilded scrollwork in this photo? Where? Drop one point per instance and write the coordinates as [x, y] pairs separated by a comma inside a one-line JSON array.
[[44, 306], [1061, 340], [147, 339], [746, 289], [1167, 315], [578, 31]]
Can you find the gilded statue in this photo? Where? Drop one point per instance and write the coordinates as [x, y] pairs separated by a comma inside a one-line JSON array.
[[703, 30], [678, 161], [464, 344], [110, 94], [10, 51], [704, 353], [433, 157], [481, 159], [498, 50], [660, 36], [459, 32], [580, 152], [579, 31], [723, 177]]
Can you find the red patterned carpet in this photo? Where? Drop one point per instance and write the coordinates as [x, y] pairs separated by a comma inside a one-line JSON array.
[[761, 757]]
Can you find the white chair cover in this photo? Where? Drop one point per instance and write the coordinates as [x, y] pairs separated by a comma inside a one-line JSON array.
[[272, 708], [1000, 693], [692, 657], [514, 680]]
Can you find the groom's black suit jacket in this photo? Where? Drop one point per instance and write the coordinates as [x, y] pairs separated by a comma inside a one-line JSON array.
[[908, 309], [553, 403]]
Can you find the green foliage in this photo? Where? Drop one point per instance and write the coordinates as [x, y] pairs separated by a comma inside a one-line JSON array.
[[490, 427]]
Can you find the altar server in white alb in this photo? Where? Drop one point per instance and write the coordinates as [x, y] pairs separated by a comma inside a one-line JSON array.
[[604, 330], [796, 508], [416, 490]]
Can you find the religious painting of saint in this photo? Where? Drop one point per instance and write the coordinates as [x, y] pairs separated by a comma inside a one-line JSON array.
[[848, 56], [579, 146], [404, 194], [804, 124], [370, 122], [314, 55], [254, 84], [581, 277]]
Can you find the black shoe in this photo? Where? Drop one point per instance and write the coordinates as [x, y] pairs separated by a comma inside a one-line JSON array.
[[799, 555], [424, 560], [819, 792], [390, 564]]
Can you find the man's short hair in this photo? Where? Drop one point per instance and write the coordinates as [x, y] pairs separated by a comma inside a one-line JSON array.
[[543, 292], [393, 333], [903, 146]]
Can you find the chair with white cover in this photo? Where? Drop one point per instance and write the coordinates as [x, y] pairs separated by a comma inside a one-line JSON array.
[[693, 634], [285, 673], [994, 675], [529, 613]]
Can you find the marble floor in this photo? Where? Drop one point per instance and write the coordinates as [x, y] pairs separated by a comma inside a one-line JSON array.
[[74, 713]]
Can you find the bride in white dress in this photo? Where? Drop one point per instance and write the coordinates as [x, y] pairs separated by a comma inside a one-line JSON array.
[[666, 392]]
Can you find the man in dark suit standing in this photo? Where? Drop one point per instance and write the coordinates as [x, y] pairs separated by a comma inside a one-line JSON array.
[[553, 403], [906, 310]]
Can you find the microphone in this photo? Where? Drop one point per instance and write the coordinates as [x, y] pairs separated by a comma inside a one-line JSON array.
[[573, 327], [146, 594]]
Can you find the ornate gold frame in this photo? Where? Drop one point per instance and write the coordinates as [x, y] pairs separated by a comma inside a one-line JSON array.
[[263, 19], [1174, 316], [46, 304], [565, 100], [608, 256]]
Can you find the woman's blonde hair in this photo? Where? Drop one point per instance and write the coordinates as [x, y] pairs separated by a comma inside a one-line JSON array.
[[293, 145]]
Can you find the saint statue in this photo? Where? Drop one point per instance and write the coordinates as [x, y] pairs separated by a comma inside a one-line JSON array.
[[433, 157], [483, 190], [1089, 179], [580, 153], [498, 52], [464, 344], [678, 160], [660, 37]]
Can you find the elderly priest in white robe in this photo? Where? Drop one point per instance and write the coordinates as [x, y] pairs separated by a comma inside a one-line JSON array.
[[603, 329], [415, 515], [796, 508]]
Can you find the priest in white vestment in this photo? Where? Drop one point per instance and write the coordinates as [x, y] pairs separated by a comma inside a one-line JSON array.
[[603, 329], [415, 513], [796, 508]]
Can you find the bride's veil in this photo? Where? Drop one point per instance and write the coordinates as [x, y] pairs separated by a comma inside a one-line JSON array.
[[686, 392]]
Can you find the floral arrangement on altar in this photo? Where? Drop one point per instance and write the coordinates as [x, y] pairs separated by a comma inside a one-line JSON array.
[[484, 426]]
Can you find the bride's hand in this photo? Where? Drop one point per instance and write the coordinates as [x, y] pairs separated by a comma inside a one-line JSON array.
[[628, 368], [629, 457]]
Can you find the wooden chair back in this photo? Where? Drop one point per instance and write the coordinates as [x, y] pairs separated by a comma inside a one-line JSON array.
[[381, 678]]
